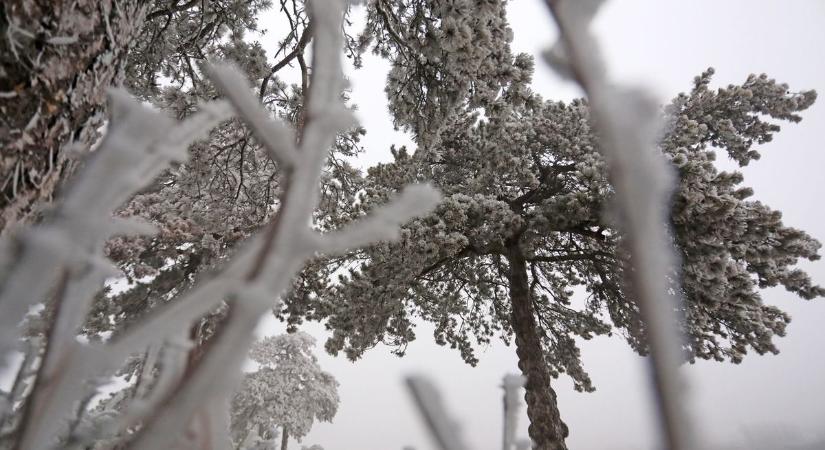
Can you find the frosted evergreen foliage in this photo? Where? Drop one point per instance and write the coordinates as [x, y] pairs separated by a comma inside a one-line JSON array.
[[229, 187], [289, 390], [176, 35], [181, 394], [207, 215], [444, 54], [731, 245], [625, 120]]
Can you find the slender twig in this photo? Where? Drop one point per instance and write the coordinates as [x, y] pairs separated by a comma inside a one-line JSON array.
[[297, 52], [627, 122]]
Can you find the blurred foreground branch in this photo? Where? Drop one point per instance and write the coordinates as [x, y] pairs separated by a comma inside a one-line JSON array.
[[63, 259], [628, 122]]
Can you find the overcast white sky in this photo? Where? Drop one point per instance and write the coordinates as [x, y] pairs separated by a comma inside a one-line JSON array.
[[662, 45]]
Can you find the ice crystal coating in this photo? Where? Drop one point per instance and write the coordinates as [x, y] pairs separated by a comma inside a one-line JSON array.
[[289, 391]]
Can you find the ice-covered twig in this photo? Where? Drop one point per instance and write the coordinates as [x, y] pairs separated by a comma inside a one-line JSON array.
[[443, 428], [28, 367], [212, 381], [283, 249], [264, 268], [172, 358], [628, 124], [139, 145], [276, 137], [384, 222]]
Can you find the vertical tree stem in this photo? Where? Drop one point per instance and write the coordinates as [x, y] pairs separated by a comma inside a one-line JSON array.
[[547, 430]]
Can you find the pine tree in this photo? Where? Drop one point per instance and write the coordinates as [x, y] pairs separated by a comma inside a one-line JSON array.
[[289, 391], [522, 233]]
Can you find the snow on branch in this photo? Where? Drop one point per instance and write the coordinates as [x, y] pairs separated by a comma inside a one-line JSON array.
[[64, 255], [67, 252], [285, 245], [137, 148], [628, 123], [276, 137], [384, 222]]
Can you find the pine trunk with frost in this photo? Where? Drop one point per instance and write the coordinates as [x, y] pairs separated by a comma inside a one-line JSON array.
[[57, 60], [547, 430]]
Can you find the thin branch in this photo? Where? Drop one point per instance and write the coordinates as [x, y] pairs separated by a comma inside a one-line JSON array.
[[628, 122], [297, 52], [276, 138]]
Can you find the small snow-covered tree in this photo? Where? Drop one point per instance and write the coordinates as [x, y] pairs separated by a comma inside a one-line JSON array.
[[288, 391]]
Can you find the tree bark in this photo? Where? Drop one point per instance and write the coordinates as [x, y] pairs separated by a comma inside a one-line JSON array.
[[284, 438], [57, 59], [547, 430]]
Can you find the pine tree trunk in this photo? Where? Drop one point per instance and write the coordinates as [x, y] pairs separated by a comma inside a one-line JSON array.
[[284, 438], [57, 59], [547, 430]]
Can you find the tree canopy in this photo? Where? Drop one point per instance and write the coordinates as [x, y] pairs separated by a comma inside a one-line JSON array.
[[526, 189], [289, 391]]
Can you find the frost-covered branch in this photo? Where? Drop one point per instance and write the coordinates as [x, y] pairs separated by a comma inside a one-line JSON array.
[[69, 248], [628, 123], [276, 137], [442, 426], [285, 244], [383, 223]]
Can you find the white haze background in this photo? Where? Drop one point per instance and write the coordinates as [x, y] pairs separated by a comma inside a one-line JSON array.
[[761, 402]]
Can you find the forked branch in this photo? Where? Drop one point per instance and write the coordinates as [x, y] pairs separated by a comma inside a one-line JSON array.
[[141, 144]]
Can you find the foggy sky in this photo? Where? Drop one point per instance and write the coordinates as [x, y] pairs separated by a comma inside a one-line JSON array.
[[662, 45]]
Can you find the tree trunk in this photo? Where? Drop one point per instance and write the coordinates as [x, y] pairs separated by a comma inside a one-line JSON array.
[[57, 59], [284, 438], [547, 430]]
